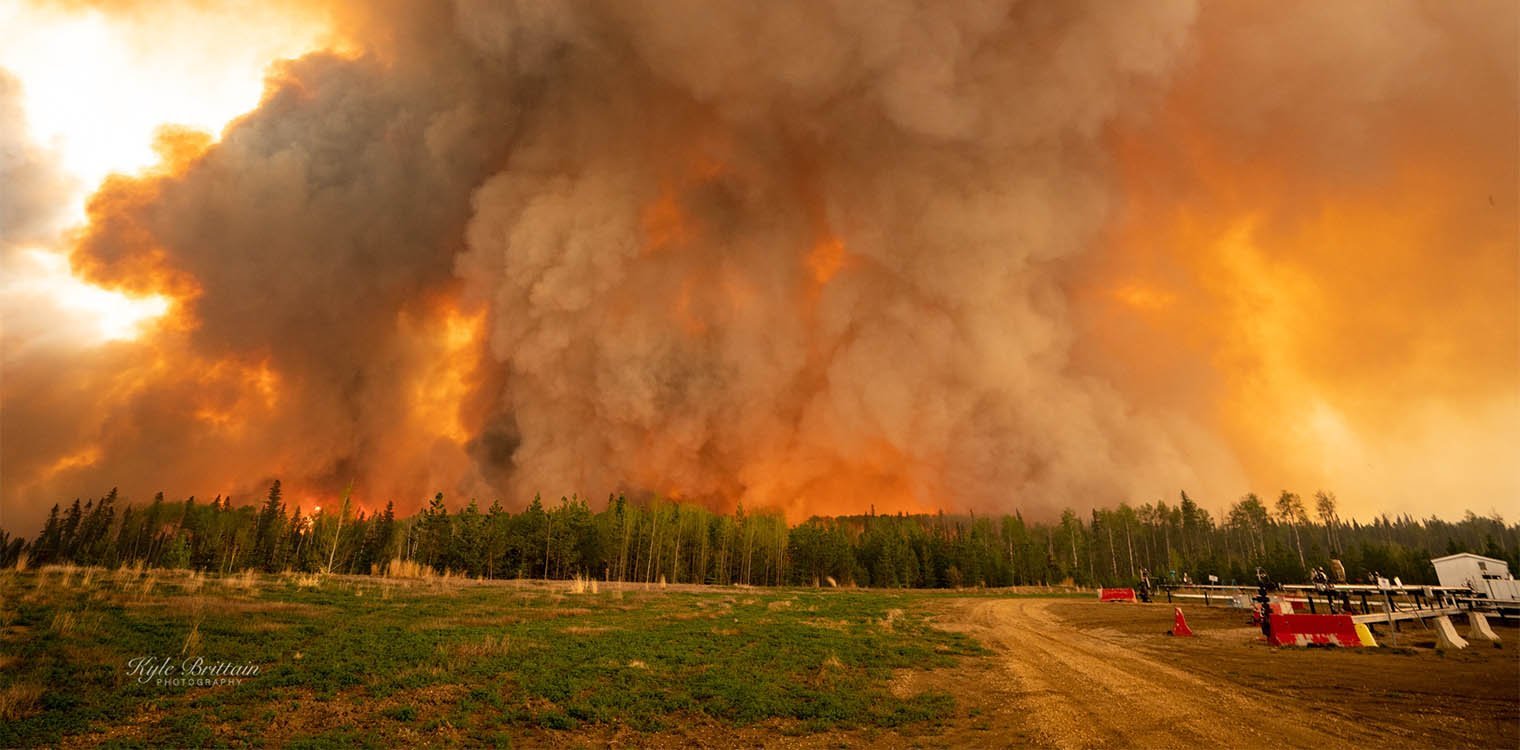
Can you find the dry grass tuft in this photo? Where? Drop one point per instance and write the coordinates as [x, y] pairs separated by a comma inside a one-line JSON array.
[[193, 582], [427, 623], [19, 701], [491, 645], [827, 624], [67, 579], [148, 582], [777, 605], [64, 623], [583, 585], [245, 580], [130, 571], [193, 640], [81, 624], [892, 615], [400, 568], [197, 616], [637, 664], [309, 581], [586, 629], [828, 671]]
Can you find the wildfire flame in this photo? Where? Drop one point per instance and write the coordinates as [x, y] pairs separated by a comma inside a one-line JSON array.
[[809, 259]]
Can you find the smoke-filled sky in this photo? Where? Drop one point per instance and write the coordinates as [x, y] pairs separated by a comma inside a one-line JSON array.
[[814, 256]]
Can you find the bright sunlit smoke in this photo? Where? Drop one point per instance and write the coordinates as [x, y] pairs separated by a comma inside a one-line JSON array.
[[108, 315], [96, 88]]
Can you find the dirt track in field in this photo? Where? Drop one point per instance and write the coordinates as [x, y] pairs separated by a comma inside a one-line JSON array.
[[1089, 688], [1082, 674], [1066, 673]]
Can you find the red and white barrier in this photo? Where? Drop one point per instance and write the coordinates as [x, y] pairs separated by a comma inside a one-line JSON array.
[[1278, 607], [1116, 595], [1313, 630]]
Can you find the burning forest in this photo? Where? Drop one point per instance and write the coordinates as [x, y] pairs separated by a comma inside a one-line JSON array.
[[956, 373], [814, 259]]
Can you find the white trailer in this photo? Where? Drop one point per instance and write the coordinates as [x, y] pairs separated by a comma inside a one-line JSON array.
[[1486, 576]]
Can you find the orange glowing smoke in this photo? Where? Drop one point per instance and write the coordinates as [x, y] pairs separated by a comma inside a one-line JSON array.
[[1330, 284], [1258, 248], [171, 407], [443, 386], [665, 222], [825, 259]]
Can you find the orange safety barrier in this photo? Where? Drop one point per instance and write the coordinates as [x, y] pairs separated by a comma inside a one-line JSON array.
[[1116, 595], [1313, 630]]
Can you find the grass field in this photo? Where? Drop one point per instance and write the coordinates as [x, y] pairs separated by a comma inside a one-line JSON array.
[[344, 661], [362, 661]]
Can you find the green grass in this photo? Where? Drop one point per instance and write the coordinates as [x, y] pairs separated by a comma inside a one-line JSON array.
[[357, 662]]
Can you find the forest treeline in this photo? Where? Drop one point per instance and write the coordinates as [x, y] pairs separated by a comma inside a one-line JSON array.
[[684, 543]]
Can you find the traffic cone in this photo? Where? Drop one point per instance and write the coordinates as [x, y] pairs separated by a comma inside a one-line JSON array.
[[1179, 624]]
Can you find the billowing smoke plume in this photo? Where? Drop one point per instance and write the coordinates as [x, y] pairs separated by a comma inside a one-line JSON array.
[[312, 251], [807, 255], [817, 256]]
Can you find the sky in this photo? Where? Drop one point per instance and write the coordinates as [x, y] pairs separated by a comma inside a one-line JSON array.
[[817, 257]]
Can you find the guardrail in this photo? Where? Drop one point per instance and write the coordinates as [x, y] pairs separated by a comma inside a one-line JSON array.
[[1341, 597]]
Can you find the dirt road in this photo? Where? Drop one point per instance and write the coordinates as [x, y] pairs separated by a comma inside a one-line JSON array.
[[1076, 688]]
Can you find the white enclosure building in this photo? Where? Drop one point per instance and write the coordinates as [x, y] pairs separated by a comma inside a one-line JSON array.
[[1484, 575]]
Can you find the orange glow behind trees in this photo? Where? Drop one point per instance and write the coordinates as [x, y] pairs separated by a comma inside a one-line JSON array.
[[1302, 260]]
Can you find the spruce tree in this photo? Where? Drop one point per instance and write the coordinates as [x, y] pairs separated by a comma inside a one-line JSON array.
[[270, 529]]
